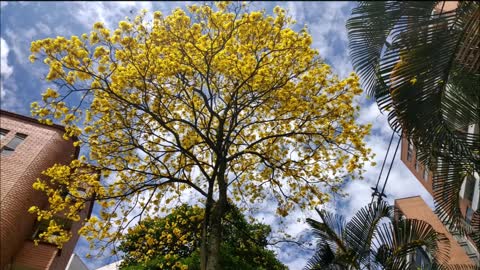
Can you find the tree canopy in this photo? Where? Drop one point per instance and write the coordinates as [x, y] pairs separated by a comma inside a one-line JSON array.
[[174, 241], [231, 104]]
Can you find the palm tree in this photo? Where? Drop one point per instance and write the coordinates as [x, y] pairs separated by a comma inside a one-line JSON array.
[[424, 68], [373, 239]]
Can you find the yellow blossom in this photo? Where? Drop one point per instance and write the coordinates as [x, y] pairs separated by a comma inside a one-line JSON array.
[[197, 95], [413, 80]]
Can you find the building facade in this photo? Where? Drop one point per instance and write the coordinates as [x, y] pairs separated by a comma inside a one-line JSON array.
[[112, 266], [470, 189], [28, 148], [469, 195], [416, 208], [76, 263]]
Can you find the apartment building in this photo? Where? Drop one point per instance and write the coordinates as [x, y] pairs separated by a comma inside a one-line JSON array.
[[416, 208], [462, 250], [28, 148], [470, 189]]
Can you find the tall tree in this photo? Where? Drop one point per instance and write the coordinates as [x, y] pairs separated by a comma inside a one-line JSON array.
[[230, 104], [172, 242], [421, 62]]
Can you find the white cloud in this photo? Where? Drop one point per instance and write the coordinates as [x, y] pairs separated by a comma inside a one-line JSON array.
[[326, 23], [3, 92], [369, 113], [20, 40], [296, 11], [5, 70], [110, 13], [44, 29]]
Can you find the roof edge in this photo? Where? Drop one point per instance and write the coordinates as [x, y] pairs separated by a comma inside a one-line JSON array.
[[31, 120], [410, 197], [35, 121]]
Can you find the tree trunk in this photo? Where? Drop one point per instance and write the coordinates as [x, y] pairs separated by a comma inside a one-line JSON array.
[[212, 237], [215, 238], [205, 229], [212, 228]]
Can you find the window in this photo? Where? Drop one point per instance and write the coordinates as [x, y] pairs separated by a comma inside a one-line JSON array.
[[42, 226], [469, 188], [469, 215], [11, 145], [425, 174], [421, 259], [409, 151], [3, 133]]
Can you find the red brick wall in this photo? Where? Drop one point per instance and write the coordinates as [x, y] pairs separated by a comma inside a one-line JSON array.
[[36, 257], [464, 203], [427, 183], [60, 262], [43, 147]]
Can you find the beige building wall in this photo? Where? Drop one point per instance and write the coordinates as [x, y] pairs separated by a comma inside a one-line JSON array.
[[75, 263], [416, 208]]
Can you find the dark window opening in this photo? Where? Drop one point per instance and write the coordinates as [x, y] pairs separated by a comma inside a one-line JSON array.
[[10, 147], [409, 151], [42, 226], [3, 133], [469, 187], [469, 215]]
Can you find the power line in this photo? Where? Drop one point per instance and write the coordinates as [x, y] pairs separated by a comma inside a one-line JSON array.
[[375, 189], [376, 193]]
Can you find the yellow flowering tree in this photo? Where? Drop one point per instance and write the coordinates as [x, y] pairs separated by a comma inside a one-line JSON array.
[[233, 105]]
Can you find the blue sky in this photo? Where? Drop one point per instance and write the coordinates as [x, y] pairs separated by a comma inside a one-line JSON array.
[[22, 83]]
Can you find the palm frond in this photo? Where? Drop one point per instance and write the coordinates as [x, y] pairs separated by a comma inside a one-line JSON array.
[[324, 258], [330, 229], [437, 266], [332, 251], [361, 229], [403, 237], [423, 68]]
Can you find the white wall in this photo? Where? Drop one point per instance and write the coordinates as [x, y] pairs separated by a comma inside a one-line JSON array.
[[75, 263]]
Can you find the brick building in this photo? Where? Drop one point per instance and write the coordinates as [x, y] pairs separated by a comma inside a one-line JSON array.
[[416, 208], [28, 148], [462, 251], [470, 189]]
